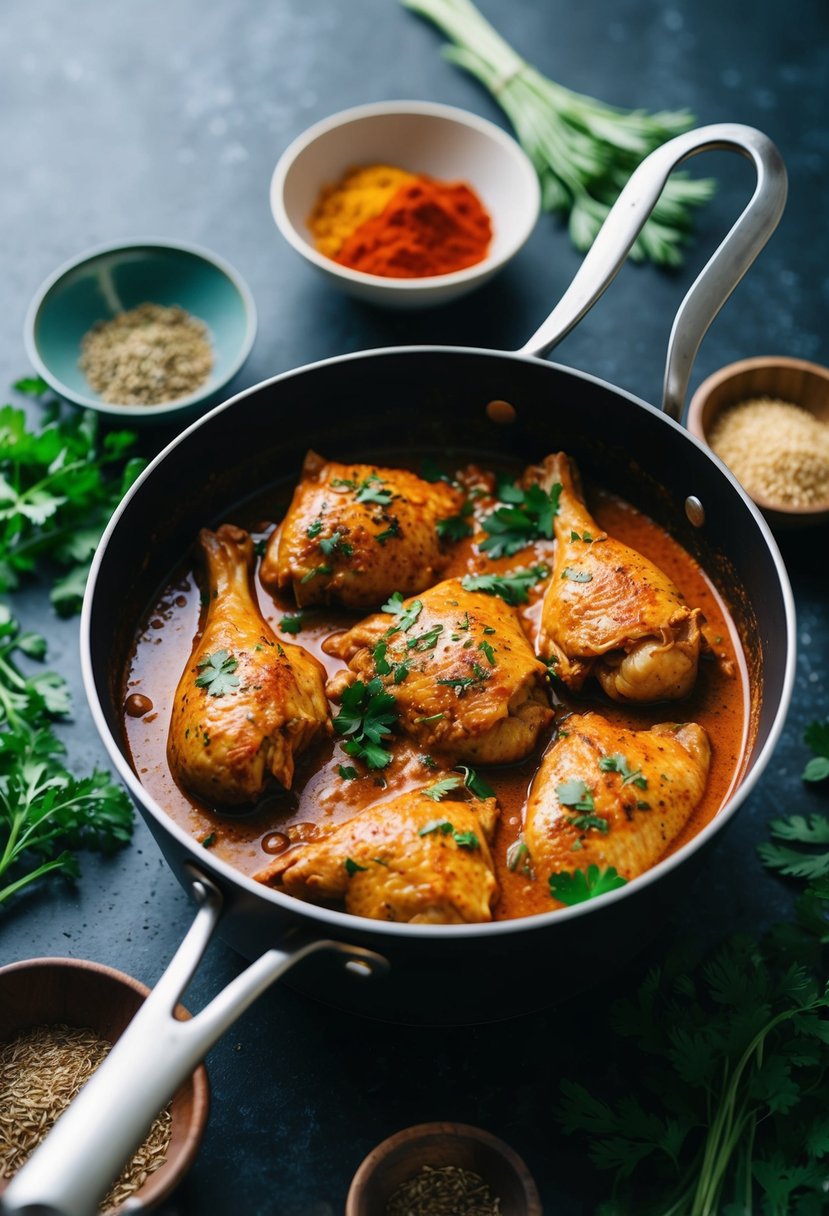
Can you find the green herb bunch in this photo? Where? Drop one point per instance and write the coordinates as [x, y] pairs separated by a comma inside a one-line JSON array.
[[583, 150], [720, 1105], [46, 813], [59, 484]]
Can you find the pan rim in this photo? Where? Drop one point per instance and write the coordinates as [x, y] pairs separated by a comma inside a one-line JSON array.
[[345, 923]]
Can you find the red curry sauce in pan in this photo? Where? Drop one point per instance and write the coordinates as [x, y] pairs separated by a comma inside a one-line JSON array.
[[320, 796]]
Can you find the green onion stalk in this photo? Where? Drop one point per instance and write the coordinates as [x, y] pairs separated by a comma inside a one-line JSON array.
[[583, 150]]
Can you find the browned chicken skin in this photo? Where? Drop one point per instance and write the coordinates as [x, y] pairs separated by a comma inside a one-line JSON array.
[[609, 611], [354, 533], [461, 670], [410, 859], [246, 703], [608, 796]]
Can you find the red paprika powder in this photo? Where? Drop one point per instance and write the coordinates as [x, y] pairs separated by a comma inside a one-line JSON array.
[[427, 228]]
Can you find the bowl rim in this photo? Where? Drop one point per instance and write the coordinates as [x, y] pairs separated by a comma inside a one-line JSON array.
[[728, 372], [426, 109], [157, 1186], [163, 408], [429, 1131]]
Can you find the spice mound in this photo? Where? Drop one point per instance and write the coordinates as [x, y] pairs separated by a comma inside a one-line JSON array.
[[445, 1191], [385, 221], [148, 355], [777, 450], [41, 1071]]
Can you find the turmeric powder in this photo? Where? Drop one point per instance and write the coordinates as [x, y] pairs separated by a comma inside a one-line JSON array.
[[358, 196]]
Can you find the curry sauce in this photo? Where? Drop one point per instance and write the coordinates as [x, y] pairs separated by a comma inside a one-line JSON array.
[[321, 796]]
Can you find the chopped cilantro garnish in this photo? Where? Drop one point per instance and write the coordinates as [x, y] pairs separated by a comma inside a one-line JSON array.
[[425, 641], [488, 651], [335, 544], [217, 673], [444, 786], [427, 761], [366, 714], [209, 841], [513, 587], [392, 530], [347, 772], [309, 574], [519, 859], [291, 624], [431, 718], [576, 576], [474, 782], [314, 529], [436, 825], [405, 617], [579, 885], [528, 516], [584, 823], [456, 527], [618, 764], [466, 840], [575, 794], [351, 867]]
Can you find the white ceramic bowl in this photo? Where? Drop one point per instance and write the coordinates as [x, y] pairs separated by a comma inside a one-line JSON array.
[[423, 137]]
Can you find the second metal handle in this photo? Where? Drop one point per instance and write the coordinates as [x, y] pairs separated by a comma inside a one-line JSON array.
[[718, 278]]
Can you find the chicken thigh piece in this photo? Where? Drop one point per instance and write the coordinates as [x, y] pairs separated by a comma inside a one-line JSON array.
[[460, 668], [607, 796], [246, 703], [411, 859], [610, 612], [354, 533]]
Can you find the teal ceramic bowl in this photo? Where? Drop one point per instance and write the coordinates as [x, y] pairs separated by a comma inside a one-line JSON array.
[[115, 278]]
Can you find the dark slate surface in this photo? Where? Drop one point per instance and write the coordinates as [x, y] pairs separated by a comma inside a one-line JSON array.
[[165, 119]]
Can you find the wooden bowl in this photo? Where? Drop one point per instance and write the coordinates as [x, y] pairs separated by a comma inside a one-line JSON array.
[[438, 1144], [796, 380], [45, 991]]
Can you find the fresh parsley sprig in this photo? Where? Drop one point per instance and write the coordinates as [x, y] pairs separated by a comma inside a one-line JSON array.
[[514, 587], [367, 714], [527, 515], [60, 481], [46, 813]]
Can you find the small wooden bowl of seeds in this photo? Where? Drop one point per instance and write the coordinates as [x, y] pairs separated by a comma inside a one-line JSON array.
[[58, 1019], [767, 419], [443, 1169]]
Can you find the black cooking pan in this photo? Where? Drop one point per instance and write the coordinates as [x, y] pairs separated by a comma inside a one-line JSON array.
[[378, 406]]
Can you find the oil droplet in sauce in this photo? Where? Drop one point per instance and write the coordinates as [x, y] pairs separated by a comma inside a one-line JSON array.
[[136, 705], [275, 842]]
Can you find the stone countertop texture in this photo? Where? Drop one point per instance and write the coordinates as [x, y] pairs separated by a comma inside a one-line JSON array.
[[165, 119]]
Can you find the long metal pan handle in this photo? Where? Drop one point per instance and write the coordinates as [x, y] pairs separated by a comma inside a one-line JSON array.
[[717, 279], [71, 1171]]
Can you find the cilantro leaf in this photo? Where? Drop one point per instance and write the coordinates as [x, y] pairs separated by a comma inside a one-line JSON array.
[[404, 617], [794, 862], [60, 481], [46, 813], [528, 516], [291, 623], [474, 782], [367, 713], [444, 786], [577, 886], [456, 527], [217, 673], [514, 587], [575, 794]]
